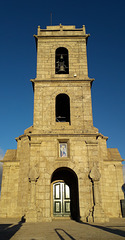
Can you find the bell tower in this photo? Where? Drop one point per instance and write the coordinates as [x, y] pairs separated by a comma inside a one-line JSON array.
[[62, 88], [62, 167]]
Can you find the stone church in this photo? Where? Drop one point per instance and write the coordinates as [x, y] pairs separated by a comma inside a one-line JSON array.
[[62, 167]]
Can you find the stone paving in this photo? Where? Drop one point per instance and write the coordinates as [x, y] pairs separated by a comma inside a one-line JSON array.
[[65, 230]]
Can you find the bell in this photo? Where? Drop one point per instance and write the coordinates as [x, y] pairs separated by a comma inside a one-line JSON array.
[[62, 67], [61, 64], [61, 58]]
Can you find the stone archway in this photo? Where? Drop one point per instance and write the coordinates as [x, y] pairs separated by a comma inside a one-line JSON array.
[[69, 178]]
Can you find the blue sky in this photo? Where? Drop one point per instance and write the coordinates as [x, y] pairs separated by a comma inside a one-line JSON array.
[[104, 20]]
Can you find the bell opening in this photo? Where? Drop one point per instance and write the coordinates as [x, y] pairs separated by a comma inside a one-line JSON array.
[[62, 108], [62, 66]]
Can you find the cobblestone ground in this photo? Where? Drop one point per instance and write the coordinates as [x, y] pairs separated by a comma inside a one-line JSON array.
[[65, 230]]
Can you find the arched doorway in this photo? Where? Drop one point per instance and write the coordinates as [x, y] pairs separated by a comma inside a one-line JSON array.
[[65, 200]]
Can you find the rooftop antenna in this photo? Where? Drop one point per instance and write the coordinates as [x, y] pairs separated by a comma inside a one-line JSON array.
[[51, 18]]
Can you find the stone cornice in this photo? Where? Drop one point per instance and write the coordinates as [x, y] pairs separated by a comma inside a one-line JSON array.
[[29, 135], [113, 160], [15, 161], [57, 34], [63, 80]]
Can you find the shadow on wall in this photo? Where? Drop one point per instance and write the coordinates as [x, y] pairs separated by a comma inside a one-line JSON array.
[[123, 168], [123, 189], [1, 170]]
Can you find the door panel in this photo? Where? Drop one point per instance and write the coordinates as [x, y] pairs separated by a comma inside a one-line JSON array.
[[67, 207], [57, 191], [61, 199], [57, 208], [66, 191]]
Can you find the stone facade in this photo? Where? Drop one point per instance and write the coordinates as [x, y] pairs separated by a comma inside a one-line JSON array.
[[92, 172]]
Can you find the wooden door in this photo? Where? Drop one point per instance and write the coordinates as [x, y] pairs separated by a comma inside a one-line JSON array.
[[61, 199]]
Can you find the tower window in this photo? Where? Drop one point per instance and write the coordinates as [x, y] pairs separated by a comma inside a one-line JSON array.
[[61, 61], [62, 108]]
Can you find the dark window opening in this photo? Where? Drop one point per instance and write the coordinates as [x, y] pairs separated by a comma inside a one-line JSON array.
[[61, 61], [62, 108]]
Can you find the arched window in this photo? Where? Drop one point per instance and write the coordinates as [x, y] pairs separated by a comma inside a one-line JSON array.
[[62, 108], [61, 61]]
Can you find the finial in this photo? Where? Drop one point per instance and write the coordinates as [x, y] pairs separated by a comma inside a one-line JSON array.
[[38, 31], [51, 18], [61, 27]]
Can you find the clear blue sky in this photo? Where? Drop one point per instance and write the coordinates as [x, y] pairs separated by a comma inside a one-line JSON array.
[[104, 20]]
